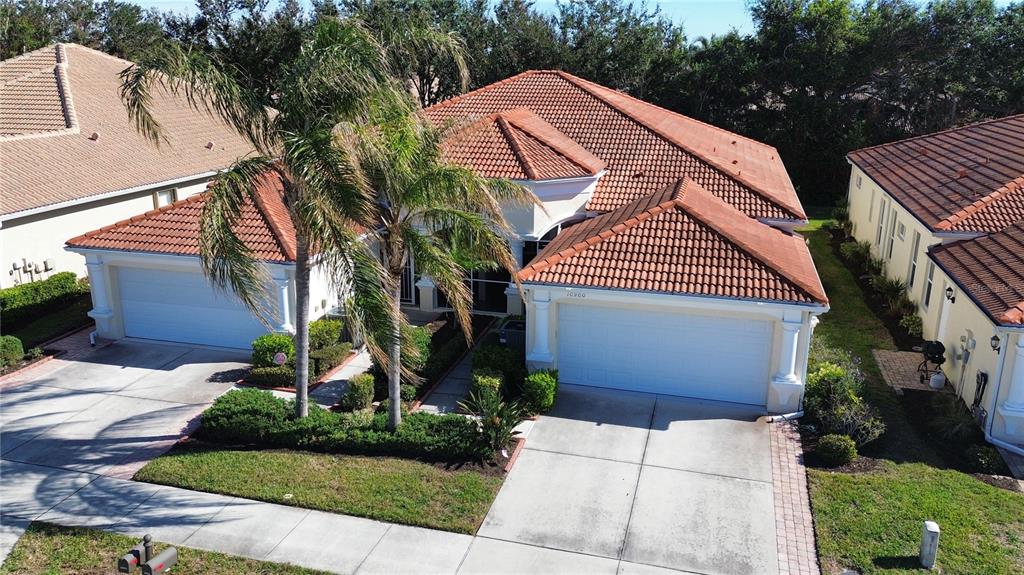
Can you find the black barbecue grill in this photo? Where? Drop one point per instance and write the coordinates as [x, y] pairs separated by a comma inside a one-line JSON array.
[[934, 353]]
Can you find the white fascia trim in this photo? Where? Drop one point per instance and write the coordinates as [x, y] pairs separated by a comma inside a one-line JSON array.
[[554, 181], [693, 300], [122, 257], [103, 196]]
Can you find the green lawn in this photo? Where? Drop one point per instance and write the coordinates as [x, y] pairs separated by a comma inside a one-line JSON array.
[[54, 550], [57, 322], [872, 521], [383, 488]]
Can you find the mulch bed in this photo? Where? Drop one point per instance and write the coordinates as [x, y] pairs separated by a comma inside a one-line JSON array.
[[27, 363], [1000, 481]]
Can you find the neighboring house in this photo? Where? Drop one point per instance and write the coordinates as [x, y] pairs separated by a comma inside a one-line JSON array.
[[147, 280], [945, 212], [71, 160], [662, 260]]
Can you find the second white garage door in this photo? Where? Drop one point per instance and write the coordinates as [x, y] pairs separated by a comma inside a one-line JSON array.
[[706, 357], [183, 307]]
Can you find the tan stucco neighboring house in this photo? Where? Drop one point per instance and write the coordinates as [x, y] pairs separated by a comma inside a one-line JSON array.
[[72, 161], [945, 212]]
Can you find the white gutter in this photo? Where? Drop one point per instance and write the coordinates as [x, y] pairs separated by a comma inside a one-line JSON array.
[[103, 196]]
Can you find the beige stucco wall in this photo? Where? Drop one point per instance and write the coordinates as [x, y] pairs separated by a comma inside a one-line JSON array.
[[41, 236]]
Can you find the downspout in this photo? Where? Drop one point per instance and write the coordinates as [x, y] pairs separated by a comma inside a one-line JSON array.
[[995, 397]]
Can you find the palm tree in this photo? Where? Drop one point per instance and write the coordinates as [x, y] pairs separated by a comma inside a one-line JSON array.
[[438, 213], [340, 76]]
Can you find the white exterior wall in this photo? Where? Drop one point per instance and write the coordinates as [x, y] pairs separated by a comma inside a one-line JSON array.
[[542, 329], [41, 236]]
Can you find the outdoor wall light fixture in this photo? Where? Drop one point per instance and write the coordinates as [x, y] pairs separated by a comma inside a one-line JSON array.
[[950, 296], [996, 343]]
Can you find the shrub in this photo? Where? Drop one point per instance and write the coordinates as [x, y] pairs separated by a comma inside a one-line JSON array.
[[856, 254], [245, 415], [265, 347], [327, 358], [407, 392], [832, 397], [539, 390], [822, 353], [952, 420], [415, 353], [359, 394], [20, 303], [835, 450], [486, 381], [443, 357], [274, 376], [11, 350], [496, 419], [912, 323], [324, 332], [874, 266], [254, 416], [505, 361], [34, 353], [985, 459]]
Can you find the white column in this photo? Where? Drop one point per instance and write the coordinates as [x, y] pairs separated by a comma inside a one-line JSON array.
[[284, 304], [514, 304], [1012, 409], [540, 317], [99, 287], [426, 287], [784, 394]]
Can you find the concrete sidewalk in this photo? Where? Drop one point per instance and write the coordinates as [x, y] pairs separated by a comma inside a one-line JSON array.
[[314, 539]]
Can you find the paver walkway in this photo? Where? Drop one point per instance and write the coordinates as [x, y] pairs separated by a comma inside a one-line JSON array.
[[899, 369]]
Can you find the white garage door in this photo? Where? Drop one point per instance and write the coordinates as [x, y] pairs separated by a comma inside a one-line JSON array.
[[707, 357], [183, 307]]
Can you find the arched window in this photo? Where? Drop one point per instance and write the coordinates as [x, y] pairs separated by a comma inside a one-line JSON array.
[[533, 247]]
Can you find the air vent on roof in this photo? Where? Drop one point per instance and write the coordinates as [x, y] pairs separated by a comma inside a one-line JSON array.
[[209, 145], [95, 136], [961, 172]]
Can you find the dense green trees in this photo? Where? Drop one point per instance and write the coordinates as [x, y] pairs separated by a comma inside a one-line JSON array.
[[816, 78]]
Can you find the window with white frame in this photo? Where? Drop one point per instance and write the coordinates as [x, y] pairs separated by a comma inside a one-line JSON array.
[[163, 198], [912, 272], [881, 221], [892, 233], [926, 298], [902, 232]]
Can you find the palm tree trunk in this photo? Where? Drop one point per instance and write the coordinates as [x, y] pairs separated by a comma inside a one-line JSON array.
[[395, 359], [301, 326]]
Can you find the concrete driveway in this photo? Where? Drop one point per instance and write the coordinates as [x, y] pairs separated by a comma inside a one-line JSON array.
[[645, 479], [111, 412]]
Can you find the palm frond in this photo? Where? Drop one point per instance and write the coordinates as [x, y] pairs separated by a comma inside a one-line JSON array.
[[206, 86], [435, 260], [227, 261]]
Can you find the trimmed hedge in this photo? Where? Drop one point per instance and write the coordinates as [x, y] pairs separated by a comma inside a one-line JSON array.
[[21, 303], [539, 390], [11, 350], [265, 347], [836, 450], [359, 394], [257, 417], [324, 332], [327, 358], [505, 361], [486, 381], [275, 376]]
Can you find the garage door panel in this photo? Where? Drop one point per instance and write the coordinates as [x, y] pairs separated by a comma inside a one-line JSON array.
[[183, 307], [673, 353]]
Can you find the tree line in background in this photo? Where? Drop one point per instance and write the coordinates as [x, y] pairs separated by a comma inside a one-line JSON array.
[[816, 78]]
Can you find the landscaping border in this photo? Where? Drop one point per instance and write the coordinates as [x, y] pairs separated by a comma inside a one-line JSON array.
[[319, 381], [415, 405]]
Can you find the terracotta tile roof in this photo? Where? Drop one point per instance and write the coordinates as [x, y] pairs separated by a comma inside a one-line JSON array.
[[51, 102], [991, 270], [967, 179], [520, 145], [645, 147], [681, 240], [264, 226]]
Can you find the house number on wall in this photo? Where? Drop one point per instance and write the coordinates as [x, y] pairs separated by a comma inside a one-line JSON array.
[[578, 294]]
